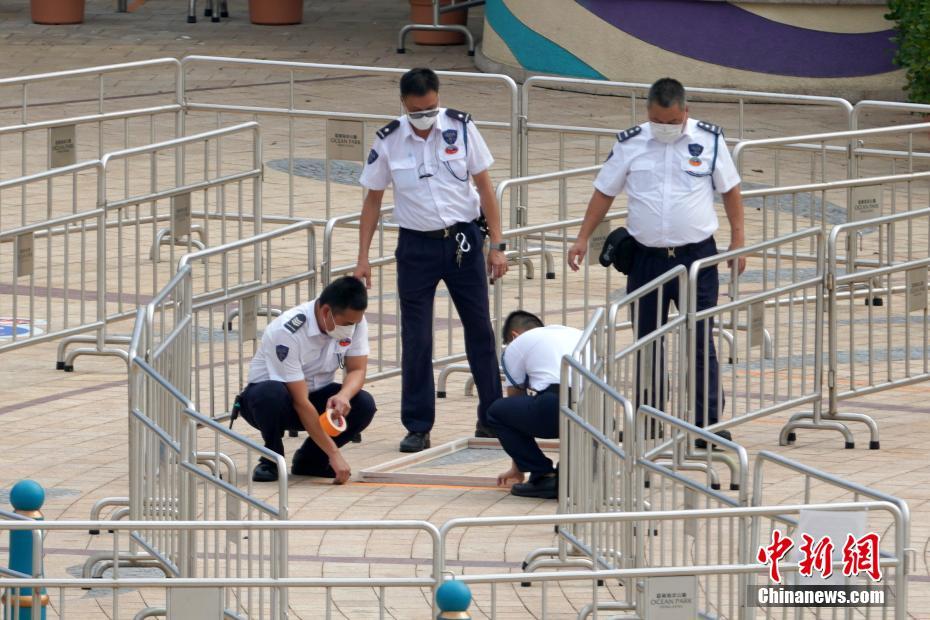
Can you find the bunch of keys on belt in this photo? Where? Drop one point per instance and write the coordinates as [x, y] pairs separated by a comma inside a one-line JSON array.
[[464, 247]]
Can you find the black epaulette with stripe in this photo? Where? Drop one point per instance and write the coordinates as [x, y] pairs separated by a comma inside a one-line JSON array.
[[458, 115], [388, 129], [717, 130], [626, 134]]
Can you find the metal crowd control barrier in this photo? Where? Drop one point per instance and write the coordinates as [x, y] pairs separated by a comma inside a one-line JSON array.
[[775, 295], [234, 284], [178, 472], [229, 590], [314, 146], [438, 26], [104, 110], [889, 108], [228, 580], [884, 339], [713, 546], [101, 249], [777, 211], [834, 156]]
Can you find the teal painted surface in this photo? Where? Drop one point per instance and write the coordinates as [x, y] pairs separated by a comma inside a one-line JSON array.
[[534, 51]]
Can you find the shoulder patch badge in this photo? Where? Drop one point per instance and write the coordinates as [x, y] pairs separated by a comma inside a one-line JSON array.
[[695, 149], [372, 156], [714, 129], [626, 134], [296, 322], [388, 129], [458, 115], [281, 351], [450, 136]]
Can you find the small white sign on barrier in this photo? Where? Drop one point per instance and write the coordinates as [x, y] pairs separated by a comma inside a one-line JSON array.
[[916, 289], [181, 207], [195, 603], [345, 140], [818, 524], [866, 203], [62, 146], [596, 242], [24, 255], [671, 598], [248, 318], [756, 324]]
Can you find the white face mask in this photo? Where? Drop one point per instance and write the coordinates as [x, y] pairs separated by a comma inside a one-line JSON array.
[[665, 133], [423, 123], [339, 332]]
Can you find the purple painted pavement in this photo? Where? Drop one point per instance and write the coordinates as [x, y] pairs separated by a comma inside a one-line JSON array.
[[726, 35]]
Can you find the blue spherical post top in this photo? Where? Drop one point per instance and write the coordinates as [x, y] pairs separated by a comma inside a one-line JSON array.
[[27, 495], [453, 596]]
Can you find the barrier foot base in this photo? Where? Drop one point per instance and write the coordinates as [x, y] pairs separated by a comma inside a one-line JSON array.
[[550, 275], [441, 394], [67, 367], [93, 532], [471, 52], [874, 445], [791, 438], [734, 486], [401, 50], [191, 19], [59, 365], [850, 445]]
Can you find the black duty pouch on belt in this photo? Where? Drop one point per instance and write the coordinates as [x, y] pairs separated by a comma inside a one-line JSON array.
[[618, 251], [236, 410], [482, 223]]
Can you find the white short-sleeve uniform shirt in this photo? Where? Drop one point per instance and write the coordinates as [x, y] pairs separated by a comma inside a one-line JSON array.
[[293, 348], [432, 177], [534, 358], [671, 195]]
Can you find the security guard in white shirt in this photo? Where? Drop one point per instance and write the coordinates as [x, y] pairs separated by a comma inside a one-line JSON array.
[[532, 361], [292, 381], [670, 168], [431, 155]]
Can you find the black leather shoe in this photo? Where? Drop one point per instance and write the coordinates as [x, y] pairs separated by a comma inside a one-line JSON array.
[[302, 466], [265, 471], [483, 431], [414, 442], [542, 487], [701, 444], [307, 469]]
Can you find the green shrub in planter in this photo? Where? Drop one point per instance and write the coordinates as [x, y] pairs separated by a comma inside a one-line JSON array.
[[913, 39]]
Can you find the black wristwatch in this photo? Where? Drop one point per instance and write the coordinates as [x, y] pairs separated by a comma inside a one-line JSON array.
[[500, 247]]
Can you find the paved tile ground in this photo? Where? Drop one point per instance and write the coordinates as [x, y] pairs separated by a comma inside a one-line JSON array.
[[69, 431]]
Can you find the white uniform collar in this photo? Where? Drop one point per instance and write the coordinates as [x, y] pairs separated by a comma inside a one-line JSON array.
[[313, 328]]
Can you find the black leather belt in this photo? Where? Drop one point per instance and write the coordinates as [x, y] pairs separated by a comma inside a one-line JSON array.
[[443, 233], [670, 252]]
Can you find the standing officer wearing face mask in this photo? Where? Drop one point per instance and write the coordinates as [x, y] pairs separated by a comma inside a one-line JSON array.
[[670, 168], [291, 381], [437, 162]]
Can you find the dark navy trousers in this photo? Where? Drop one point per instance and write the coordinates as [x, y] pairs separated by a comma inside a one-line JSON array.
[[422, 262], [518, 420], [267, 406], [648, 265]]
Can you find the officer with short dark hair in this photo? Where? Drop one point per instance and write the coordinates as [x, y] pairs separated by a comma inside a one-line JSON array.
[[670, 168], [532, 364], [292, 381], [437, 163]]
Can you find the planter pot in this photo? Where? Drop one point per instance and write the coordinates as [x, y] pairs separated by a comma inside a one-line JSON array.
[[421, 12], [276, 12], [57, 11]]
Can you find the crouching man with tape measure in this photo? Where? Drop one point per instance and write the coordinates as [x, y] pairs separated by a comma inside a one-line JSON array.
[[292, 382]]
